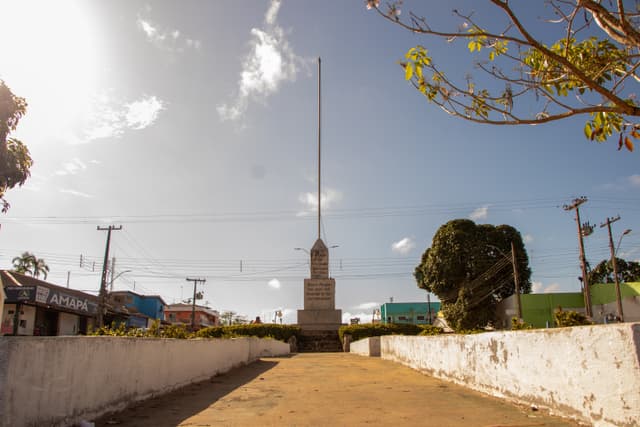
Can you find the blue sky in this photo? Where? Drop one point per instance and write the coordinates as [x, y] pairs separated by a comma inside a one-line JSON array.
[[193, 125]]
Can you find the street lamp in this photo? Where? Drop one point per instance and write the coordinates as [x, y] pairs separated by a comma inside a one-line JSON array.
[[302, 249], [624, 233], [113, 279]]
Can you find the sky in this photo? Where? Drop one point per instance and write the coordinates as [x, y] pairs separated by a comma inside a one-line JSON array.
[[194, 126]]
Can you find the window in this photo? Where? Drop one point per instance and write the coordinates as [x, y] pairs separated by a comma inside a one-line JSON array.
[[402, 317], [420, 317]]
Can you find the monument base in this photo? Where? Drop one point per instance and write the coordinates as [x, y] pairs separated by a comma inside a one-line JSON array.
[[319, 320]]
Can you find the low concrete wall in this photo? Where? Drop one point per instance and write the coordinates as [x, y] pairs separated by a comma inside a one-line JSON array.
[[366, 347], [58, 381], [589, 373]]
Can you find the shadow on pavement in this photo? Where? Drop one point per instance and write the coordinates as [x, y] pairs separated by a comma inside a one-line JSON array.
[[174, 407]]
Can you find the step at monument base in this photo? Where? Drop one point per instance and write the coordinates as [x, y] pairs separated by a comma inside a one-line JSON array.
[[319, 342]]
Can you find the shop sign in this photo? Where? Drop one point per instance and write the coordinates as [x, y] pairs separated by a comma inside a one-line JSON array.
[[46, 296], [20, 293], [61, 299]]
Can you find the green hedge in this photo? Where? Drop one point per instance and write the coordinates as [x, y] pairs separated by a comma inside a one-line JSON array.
[[366, 330], [264, 330], [267, 330]]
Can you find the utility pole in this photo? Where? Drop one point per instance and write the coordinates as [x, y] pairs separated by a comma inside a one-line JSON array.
[[608, 223], [581, 233], [113, 273], [103, 281], [193, 302], [516, 281]]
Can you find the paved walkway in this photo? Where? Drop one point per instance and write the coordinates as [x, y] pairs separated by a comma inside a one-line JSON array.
[[327, 389]]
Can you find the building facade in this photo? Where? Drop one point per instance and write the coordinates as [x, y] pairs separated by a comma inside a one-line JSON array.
[[180, 314], [416, 313], [538, 309], [35, 307], [142, 310]]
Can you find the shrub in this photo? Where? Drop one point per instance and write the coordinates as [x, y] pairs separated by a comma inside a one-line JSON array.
[[278, 332], [262, 330], [519, 325], [366, 330], [570, 318], [430, 330]]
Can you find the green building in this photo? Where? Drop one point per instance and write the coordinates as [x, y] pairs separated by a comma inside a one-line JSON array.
[[416, 313], [538, 309]]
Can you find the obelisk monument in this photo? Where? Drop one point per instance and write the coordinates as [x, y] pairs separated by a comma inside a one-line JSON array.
[[319, 313]]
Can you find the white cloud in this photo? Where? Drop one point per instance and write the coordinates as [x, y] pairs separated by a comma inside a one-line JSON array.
[[403, 246], [170, 40], [272, 13], [76, 193], [71, 168], [270, 62], [621, 184], [329, 198], [538, 287], [143, 113], [274, 283], [480, 213], [110, 118], [527, 238], [367, 306]]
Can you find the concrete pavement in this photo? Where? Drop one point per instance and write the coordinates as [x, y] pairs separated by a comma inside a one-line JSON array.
[[327, 389]]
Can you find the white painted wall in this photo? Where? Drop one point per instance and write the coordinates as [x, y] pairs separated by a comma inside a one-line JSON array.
[[68, 324], [366, 347], [58, 381], [27, 319], [589, 373]]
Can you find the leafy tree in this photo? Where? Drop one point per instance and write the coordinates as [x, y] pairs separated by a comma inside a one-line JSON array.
[[569, 58], [15, 160], [28, 263], [469, 267], [628, 271]]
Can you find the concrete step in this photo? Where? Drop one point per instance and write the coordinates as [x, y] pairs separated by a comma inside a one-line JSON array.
[[319, 342]]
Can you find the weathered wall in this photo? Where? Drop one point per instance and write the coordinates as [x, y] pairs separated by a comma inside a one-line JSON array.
[[590, 373], [61, 380], [366, 347]]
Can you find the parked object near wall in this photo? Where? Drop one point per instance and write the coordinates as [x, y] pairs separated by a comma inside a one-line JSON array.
[[59, 381], [588, 373]]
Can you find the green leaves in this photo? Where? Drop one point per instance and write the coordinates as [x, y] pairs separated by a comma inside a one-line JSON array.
[[464, 266]]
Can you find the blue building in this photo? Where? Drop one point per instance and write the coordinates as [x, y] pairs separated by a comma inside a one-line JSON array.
[[142, 309], [417, 313]]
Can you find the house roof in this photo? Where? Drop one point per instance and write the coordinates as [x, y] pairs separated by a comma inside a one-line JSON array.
[[189, 307], [139, 295], [11, 278]]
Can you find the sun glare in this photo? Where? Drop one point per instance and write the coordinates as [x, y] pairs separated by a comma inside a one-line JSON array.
[[50, 56]]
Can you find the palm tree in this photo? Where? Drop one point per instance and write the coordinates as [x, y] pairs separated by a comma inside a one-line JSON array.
[[23, 264], [28, 263], [40, 267]]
